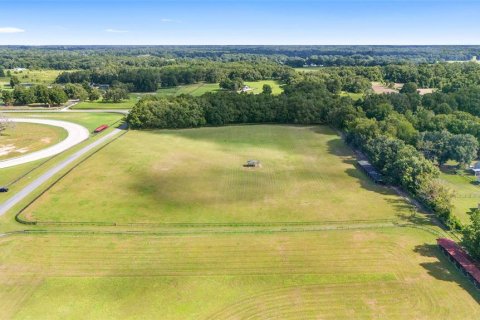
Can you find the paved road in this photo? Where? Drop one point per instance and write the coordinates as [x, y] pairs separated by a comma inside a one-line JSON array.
[[19, 196], [76, 134]]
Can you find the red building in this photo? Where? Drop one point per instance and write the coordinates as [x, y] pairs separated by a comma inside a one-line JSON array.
[[461, 259]]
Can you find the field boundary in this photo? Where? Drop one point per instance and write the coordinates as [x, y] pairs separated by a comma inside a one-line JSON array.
[[173, 232], [22, 221]]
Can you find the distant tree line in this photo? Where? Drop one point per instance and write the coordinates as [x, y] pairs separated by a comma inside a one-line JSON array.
[[56, 95], [148, 80], [91, 57]]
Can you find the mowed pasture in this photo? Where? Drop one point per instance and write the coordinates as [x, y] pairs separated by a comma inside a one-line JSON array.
[[90, 120], [100, 104], [23, 138], [393, 273], [44, 76], [197, 176], [466, 192], [196, 89]]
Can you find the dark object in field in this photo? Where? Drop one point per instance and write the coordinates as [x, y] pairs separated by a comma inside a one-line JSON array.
[[101, 128], [371, 171], [252, 164], [3, 189], [461, 259]]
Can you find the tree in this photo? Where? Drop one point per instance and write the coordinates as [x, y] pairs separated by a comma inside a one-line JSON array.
[[267, 89], [42, 94], [434, 145], [7, 97], [409, 87], [463, 148], [232, 85], [2, 72], [115, 94], [57, 96], [94, 94], [76, 91], [471, 234], [379, 111], [23, 96], [14, 81]]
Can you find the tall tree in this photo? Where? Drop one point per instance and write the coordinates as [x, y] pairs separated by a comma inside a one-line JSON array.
[[471, 234]]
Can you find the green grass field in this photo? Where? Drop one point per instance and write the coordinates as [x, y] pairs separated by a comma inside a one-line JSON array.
[[466, 192], [125, 104], [357, 274], [90, 120], [257, 86], [199, 89], [196, 89], [196, 176], [24, 138], [37, 76], [305, 235]]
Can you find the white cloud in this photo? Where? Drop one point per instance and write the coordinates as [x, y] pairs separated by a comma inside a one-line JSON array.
[[116, 31], [11, 30], [165, 20]]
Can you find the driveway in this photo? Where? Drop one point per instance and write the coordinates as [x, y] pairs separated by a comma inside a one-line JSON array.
[[76, 134]]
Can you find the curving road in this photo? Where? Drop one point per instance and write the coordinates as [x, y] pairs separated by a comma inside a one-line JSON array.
[[22, 194], [76, 134]]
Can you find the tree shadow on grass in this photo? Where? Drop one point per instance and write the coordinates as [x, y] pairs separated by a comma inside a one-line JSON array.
[[445, 270]]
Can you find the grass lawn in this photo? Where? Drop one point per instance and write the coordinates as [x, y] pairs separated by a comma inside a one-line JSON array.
[[125, 104], [199, 89], [24, 138], [196, 176], [196, 89], [354, 96], [36, 76], [257, 86], [394, 273], [89, 120], [309, 69], [466, 192]]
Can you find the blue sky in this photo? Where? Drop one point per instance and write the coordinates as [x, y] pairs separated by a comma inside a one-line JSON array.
[[239, 22]]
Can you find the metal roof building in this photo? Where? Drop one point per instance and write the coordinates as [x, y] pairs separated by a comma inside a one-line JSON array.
[[371, 171], [461, 259]]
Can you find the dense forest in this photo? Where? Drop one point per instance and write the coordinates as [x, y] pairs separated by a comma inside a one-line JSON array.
[[88, 57]]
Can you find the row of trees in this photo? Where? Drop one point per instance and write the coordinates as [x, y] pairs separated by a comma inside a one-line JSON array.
[[38, 94], [57, 95], [148, 80]]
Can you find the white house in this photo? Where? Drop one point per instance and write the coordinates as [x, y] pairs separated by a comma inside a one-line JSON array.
[[476, 170]]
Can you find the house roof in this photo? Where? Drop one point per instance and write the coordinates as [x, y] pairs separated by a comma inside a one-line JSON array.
[[476, 166]]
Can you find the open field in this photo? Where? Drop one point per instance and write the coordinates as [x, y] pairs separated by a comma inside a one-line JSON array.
[[257, 86], [126, 104], [24, 138], [199, 89], [197, 176], [354, 96], [90, 120], [196, 89], [394, 273], [467, 192], [309, 69], [34, 76]]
